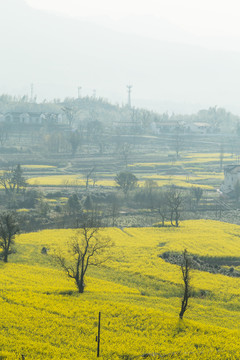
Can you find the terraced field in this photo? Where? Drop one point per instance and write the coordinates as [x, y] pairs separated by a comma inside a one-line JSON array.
[[193, 169]]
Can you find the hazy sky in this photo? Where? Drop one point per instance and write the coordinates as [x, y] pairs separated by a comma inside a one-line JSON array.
[[179, 55], [207, 22]]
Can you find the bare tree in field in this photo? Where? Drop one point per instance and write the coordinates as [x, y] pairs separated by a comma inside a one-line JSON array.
[[89, 174], [186, 269], [162, 206], [86, 248], [114, 209], [174, 200], [8, 229], [197, 193]]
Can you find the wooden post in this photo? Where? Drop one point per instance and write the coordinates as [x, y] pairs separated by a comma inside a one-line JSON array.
[[98, 337]]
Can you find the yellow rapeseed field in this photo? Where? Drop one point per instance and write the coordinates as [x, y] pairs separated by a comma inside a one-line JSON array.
[[195, 165], [66, 180], [137, 293], [38, 167], [76, 180]]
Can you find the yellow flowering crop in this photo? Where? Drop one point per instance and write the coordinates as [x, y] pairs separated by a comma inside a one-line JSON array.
[[38, 166], [137, 292], [66, 180]]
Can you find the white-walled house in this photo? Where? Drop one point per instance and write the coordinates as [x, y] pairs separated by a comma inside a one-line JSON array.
[[200, 127], [231, 177], [33, 118]]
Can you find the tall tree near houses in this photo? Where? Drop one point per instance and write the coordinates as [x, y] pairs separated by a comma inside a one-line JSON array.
[[70, 114], [75, 141], [8, 229]]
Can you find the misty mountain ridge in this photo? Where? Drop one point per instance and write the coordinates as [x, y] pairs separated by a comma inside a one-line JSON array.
[[58, 54]]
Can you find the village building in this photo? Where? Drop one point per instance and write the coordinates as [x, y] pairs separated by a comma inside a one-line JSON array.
[[200, 127], [168, 126], [34, 118], [231, 178]]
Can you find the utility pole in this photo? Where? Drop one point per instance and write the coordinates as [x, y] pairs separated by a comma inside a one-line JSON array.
[[79, 92], [31, 98], [129, 87], [98, 336]]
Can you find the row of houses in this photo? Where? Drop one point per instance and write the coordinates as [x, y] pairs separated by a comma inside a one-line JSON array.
[[31, 118], [171, 126]]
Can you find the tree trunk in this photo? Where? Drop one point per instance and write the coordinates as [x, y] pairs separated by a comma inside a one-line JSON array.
[[80, 284], [5, 257], [177, 219], [184, 302], [80, 287], [163, 220]]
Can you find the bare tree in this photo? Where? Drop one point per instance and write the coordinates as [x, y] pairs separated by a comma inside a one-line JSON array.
[[8, 229], [89, 174], [150, 187], [197, 193], [185, 269], [86, 248], [13, 182], [174, 199], [114, 209], [162, 206], [73, 205], [70, 114]]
